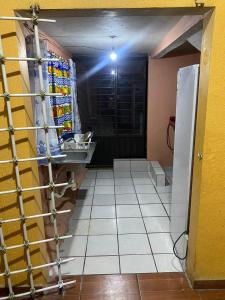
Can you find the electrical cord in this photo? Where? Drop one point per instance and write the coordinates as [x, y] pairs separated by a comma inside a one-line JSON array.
[[174, 246]]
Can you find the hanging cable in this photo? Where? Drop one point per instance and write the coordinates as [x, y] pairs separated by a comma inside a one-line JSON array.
[[175, 243]]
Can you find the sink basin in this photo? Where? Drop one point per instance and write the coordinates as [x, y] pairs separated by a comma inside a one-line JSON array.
[[80, 156]]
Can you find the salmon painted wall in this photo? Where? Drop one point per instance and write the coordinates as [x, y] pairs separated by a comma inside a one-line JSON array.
[[162, 81]]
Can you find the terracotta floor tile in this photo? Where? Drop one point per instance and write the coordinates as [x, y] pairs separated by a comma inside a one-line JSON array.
[[165, 275], [110, 285], [73, 289], [58, 297], [212, 295], [170, 295], [78, 278], [95, 278], [71, 292], [161, 286], [176, 284], [110, 297]]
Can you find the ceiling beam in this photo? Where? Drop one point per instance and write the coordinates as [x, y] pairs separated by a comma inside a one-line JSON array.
[[184, 28]]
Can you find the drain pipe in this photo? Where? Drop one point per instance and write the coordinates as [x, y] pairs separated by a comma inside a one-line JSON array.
[[72, 185]]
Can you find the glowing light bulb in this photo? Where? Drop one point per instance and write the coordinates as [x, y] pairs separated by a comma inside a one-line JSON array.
[[113, 55], [113, 72]]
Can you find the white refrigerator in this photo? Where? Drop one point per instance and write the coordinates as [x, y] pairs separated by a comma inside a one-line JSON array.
[[187, 89]]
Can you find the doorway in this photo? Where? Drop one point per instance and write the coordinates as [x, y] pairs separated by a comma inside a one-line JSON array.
[[106, 178], [112, 100]]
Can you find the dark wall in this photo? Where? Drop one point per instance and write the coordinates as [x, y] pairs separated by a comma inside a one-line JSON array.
[[113, 106]]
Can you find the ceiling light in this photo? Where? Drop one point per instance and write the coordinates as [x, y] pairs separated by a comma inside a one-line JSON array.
[[113, 55], [113, 72]]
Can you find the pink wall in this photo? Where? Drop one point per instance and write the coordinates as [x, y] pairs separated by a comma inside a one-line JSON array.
[[51, 43], [162, 80]]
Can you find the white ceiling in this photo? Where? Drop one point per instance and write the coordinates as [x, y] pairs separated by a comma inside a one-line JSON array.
[[91, 35]]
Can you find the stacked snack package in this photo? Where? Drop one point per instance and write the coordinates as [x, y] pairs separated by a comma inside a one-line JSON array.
[[60, 82]]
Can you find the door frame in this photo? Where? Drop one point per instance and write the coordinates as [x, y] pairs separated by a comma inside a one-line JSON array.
[[210, 84]]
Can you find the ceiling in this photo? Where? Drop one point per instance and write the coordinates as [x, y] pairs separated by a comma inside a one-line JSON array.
[[184, 49], [89, 34]]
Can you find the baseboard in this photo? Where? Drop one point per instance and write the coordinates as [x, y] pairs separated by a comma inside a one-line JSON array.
[[209, 284]]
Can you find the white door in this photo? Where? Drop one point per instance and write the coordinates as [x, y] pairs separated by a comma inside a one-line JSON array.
[[187, 86]]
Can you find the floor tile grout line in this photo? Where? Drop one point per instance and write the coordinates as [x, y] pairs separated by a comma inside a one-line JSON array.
[[162, 202], [128, 233], [85, 255], [117, 229], [122, 203], [139, 289], [112, 255], [124, 217], [147, 233]]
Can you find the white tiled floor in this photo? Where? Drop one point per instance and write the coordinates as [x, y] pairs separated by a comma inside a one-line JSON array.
[[104, 212], [144, 188], [105, 181], [128, 211], [82, 212], [104, 199], [102, 226], [99, 245], [137, 264], [157, 224], [102, 265], [124, 189], [123, 181], [130, 225], [123, 199], [79, 227], [153, 210], [161, 242], [104, 189], [134, 244], [120, 225], [74, 247], [148, 198]]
